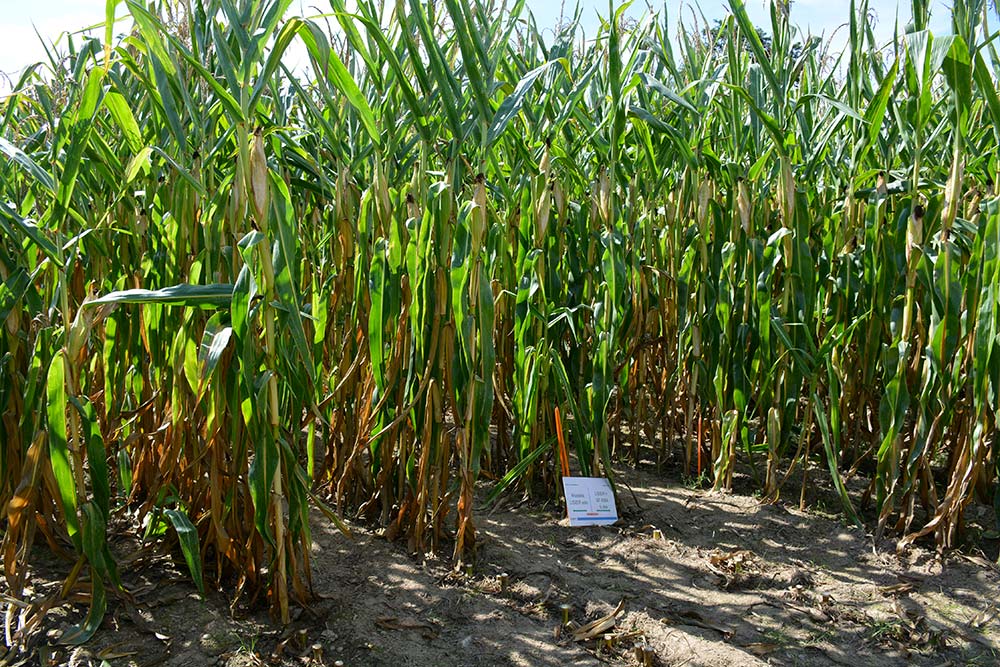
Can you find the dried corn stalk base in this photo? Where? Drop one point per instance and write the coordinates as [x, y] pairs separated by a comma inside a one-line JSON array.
[[229, 293]]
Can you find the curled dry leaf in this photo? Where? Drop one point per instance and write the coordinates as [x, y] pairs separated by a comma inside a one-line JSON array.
[[600, 626]]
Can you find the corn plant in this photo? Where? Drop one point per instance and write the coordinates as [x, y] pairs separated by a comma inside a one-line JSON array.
[[236, 298]]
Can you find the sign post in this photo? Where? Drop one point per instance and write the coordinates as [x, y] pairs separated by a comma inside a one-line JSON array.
[[590, 501]]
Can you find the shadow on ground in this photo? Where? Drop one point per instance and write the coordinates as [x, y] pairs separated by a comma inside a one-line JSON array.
[[729, 582]]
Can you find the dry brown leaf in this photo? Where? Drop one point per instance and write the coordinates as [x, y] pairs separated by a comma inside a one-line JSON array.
[[896, 589], [985, 616], [732, 559], [110, 653], [695, 619], [391, 623], [600, 626], [762, 648]]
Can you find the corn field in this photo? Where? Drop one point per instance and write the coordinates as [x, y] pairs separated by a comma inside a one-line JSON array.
[[238, 299]]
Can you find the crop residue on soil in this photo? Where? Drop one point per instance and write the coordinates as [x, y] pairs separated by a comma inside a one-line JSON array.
[[729, 582]]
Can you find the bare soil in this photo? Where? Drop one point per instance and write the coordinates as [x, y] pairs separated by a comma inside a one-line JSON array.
[[727, 581]]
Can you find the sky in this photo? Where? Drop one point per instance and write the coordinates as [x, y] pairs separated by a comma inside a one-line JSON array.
[[20, 19]]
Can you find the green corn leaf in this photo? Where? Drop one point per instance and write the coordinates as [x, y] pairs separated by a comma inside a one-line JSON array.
[[333, 68], [463, 30], [214, 342], [109, 26], [655, 84], [402, 77], [987, 85], [448, 86], [123, 116], [95, 545], [216, 295], [512, 103], [332, 516], [518, 471], [58, 448], [139, 163], [34, 234], [97, 460], [836, 104], [187, 535], [86, 629], [875, 114], [184, 173], [20, 157], [152, 29], [12, 291], [286, 281], [831, 457], [749, 33]]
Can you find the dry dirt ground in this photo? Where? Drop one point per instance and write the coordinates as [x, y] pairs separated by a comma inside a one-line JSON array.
[[726, 581]]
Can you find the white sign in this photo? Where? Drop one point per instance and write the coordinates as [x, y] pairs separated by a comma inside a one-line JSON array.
[[589, 501]]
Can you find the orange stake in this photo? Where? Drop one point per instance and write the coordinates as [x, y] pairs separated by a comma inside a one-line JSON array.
[[563, 456]]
